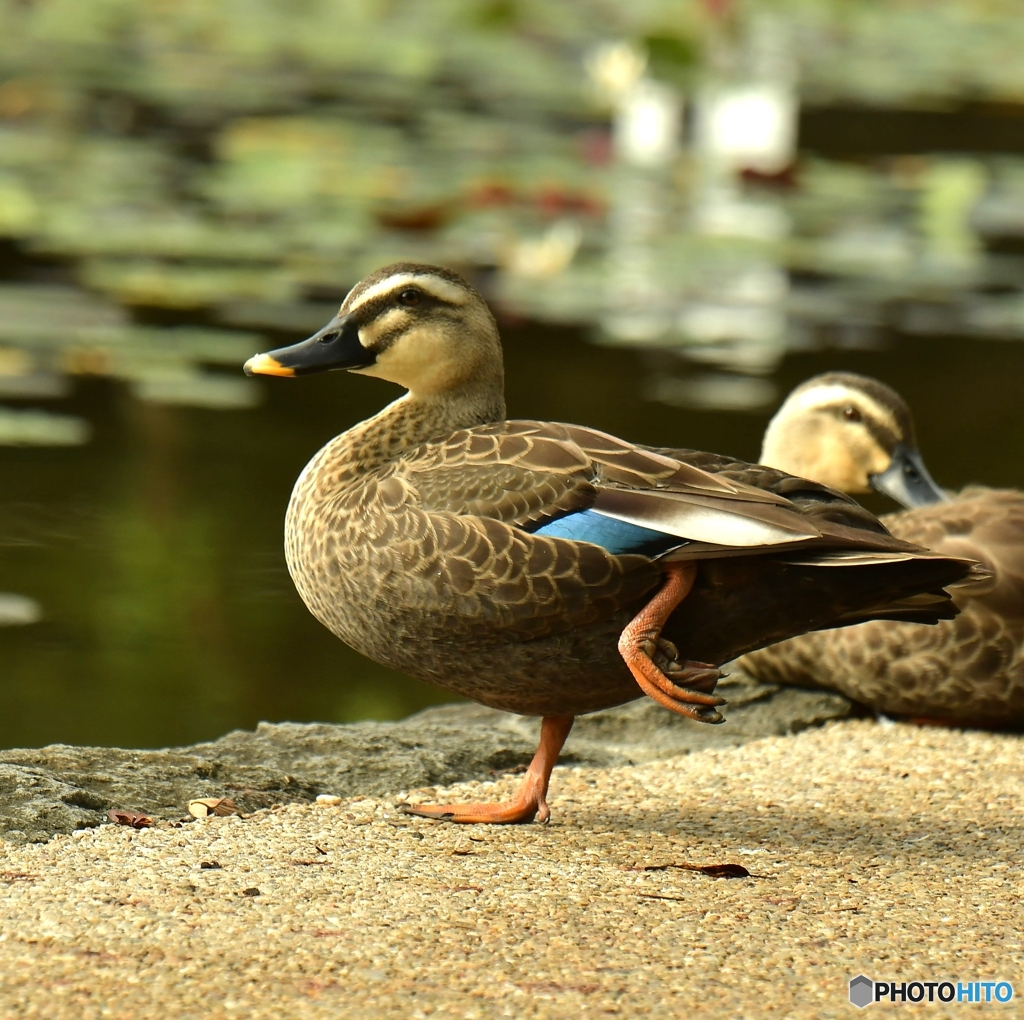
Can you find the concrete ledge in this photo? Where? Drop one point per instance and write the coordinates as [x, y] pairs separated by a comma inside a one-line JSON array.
[[60, 788]]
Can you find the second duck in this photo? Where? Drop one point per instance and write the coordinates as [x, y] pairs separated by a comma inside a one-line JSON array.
[[857, 434]]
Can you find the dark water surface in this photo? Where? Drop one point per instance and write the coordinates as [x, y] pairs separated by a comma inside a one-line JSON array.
[[156, 550], [737, 195]]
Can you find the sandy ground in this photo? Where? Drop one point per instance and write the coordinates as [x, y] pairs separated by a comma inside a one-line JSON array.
[[888, 850]]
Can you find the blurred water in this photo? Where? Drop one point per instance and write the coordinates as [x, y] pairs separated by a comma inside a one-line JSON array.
[[155, 550], [678, 212]]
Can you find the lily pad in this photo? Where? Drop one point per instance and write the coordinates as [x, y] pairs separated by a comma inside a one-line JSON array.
[[41, 428]]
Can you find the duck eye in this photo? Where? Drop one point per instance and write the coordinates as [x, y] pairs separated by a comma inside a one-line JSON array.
[[851, 414], [409, 297]]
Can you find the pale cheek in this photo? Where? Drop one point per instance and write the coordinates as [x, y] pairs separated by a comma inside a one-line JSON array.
[[798, 449], [840, 455], [420, 362], [428, 376], [839, 466], [850, 460], [810, 451], [880, 460], [370, 335]]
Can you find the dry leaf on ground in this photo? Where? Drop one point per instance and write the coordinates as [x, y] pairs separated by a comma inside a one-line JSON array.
[[132, 818], [713, 870]]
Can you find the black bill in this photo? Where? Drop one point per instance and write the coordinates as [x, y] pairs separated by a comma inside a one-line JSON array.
[[336, 346]]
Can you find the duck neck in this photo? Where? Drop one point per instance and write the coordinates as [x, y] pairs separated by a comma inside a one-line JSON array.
[[404, 424]]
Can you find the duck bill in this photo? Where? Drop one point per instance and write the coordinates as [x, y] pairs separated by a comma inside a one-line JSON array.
[[332, 348], [907, 481]]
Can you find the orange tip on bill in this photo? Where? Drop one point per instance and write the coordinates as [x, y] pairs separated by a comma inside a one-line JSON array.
[[264, 364]]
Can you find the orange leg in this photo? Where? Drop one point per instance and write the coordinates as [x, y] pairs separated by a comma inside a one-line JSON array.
[[529, 800], [638, 644]]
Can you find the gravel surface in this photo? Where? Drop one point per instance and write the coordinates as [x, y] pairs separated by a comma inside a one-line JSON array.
[[888, 850]]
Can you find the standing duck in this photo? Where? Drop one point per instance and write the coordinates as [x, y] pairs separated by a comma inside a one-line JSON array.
[[857, 434], [537, 567]]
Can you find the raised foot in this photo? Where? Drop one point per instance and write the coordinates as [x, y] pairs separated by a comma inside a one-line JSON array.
[[694, 704], [682, 686], [701, 677]]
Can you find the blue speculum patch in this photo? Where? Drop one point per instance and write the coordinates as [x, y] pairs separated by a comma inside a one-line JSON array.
[[618, 537]]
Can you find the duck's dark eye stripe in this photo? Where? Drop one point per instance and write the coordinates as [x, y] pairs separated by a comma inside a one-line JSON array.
[[385, 302]]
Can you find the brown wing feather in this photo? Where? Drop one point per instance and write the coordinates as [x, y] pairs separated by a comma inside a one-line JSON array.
[[521, 472], [466, 499], [521, 475], [811, 499]]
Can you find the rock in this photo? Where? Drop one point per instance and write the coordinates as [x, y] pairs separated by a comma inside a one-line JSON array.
[[60, 789]]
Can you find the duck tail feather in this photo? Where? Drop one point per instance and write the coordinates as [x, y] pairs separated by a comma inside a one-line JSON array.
[[784, 597]]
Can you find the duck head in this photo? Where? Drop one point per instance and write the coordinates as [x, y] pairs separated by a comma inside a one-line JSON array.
[[420, 326], [852, 433]]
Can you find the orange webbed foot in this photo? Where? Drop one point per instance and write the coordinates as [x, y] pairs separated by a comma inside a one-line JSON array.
[[517, 811], [680, 685]]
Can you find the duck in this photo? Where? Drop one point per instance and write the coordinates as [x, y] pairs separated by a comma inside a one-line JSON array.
[[551, 569], [857, 434]]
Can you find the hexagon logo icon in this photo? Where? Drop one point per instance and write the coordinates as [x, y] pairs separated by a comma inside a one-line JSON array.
[[862, 991]]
